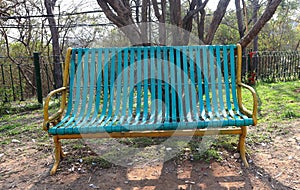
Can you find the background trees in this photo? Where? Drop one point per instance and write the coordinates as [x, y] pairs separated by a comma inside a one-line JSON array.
[[182, 14], [50, 26]]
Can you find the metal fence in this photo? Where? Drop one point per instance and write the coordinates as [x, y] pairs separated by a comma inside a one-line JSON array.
[[275, 66], [25, 77], [19, 79]]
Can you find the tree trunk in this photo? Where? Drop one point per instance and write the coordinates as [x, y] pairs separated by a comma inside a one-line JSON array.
[[266, 16], [144, 25], [49, 4], [216, 20], [161, 19], [255, 6], [175, 19], [119, 13], [239, 16]]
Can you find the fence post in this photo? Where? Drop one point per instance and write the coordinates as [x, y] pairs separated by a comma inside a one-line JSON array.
[[36, 61]]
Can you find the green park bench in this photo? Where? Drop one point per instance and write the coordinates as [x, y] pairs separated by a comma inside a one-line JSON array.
[[150, 91]]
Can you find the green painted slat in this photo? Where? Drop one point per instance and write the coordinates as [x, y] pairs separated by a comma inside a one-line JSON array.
[[105, 78], [111, 81], [78, 82], [179, 83], [81, 74], [173, 85], [166, 84], [99, 85], [233, 82], [193, 84], [114, 82], [131, 84], [85, 84], [226, 77], [188, 111], [145, 80], [206, 81], [73, 118], [125, 73], [152, 85], [199, 80], [159, 52], [71, 79], [91, 81], [119, 83], [139, 85], [213, 80], [220, 85]]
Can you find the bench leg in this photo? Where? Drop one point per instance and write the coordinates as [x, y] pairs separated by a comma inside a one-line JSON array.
[[58, 155], [241, 145]]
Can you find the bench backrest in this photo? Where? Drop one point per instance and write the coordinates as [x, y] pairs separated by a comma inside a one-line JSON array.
[[177, 83]]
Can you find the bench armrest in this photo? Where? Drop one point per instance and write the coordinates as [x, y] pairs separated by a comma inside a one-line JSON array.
[[243, 109], [55, 117]]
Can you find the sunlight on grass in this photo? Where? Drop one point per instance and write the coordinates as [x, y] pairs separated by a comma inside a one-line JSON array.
[[277, 101]]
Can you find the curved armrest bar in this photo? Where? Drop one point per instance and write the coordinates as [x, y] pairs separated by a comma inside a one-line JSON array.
[[244, 110], [58, 114]]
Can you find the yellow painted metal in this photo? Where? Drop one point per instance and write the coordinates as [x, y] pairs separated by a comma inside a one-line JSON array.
[[58, 154], [241, 145], [57, 116], [198, 132], [243, 109]]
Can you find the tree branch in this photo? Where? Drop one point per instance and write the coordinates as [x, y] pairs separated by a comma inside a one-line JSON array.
[[216, 20], [265, 17]]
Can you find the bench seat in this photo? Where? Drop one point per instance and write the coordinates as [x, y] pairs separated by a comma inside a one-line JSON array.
[[109, 125]]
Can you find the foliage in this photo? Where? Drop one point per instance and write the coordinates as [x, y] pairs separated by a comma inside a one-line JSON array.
[[282, 32]]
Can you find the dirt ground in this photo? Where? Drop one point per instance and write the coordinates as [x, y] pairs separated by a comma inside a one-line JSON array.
[[26, 161]]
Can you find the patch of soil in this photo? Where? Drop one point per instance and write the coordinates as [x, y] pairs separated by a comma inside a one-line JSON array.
[[275, 165]]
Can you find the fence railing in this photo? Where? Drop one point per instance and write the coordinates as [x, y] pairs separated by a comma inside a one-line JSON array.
[[20, 80], [272, 66], [25, 77]]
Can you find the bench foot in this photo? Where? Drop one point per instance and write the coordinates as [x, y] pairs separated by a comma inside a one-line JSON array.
[[241, 145], [58, 155]]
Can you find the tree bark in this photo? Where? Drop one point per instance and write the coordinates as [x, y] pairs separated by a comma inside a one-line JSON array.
[[49, 4], [201, 24], [216, 20], [254, 13], [161, 19], [239, 16], [175, 20], [119, 12], [266, 16], [187, 22], [144, 25]]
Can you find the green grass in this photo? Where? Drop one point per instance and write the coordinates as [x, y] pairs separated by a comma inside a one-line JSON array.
[[277, 101]]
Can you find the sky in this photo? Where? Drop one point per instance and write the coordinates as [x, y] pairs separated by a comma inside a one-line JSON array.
[[87, 5]]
